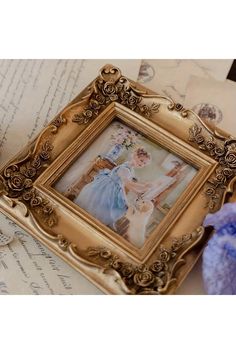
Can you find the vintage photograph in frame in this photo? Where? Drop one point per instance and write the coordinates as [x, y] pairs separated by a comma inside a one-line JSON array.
[[118, 185], [126, 181]]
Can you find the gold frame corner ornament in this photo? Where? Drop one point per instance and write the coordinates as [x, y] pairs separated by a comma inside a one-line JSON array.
[[156, 278], [112, 86], [224, 152], [17, 180]]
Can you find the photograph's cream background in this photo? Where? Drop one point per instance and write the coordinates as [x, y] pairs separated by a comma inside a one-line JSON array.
[[32, 92]]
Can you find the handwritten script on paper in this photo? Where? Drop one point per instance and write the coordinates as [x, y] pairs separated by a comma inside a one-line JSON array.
[[28, 267], [32, 92]]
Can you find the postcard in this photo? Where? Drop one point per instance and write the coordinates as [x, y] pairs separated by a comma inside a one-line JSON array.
[[214, 101]]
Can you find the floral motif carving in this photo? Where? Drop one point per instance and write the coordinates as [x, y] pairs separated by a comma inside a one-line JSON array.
[[63, 242], [17, 179], [225, 154], [112, 87], [160, 275], [59, 121], [179, 108]]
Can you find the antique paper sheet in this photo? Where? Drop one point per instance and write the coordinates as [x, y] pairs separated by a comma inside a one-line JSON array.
[[214, 101], [170, 77], [31, 94], [27, 267]]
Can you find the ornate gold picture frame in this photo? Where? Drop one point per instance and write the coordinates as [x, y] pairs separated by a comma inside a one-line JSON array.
[[153, 243]]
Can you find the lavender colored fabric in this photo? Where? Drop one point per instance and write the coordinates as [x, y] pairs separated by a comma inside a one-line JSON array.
[[219, 256]]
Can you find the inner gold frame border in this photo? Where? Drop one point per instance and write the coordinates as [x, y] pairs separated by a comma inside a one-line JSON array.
[[152, 132]]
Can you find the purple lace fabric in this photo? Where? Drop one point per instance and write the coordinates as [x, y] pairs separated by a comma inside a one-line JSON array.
[[219, 256]]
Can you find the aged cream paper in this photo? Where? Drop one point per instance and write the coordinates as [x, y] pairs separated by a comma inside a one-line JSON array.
[[31, 94], [27, 267], [170, 76], [214, 101]]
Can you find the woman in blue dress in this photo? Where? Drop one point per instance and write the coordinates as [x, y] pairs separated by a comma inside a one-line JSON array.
[[105, 196]]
